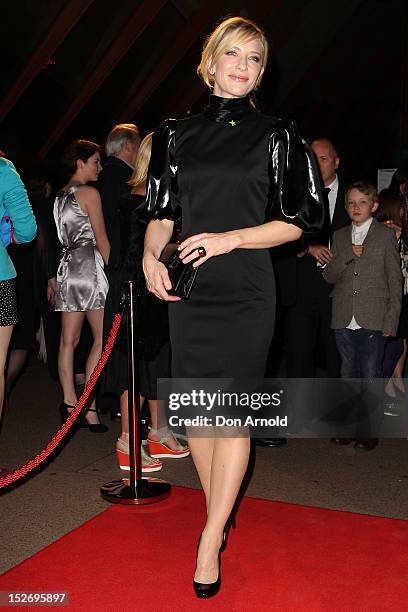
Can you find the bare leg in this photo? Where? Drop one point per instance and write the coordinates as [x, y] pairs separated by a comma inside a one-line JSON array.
[[95, 320], [202, 450], [124, 416], [154, 418], [389, 388], [71, 325], [221, 464], [398, 374], [160, 425], [5, 335], [228, 466], [124, 419]]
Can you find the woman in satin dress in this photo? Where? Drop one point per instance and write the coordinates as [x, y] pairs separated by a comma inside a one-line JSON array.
[[244, 182], [81, 282]]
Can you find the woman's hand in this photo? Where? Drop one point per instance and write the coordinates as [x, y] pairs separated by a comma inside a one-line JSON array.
[[214, 244], [157, 278], [51, 290], [397, 228]]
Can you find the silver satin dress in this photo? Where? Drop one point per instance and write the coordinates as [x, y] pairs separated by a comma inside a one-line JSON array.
[[81, 281]]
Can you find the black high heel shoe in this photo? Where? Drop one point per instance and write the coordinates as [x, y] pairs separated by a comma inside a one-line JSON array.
[[206, 590], [95, 427], [64, 412], [81, 422], [203, 590]]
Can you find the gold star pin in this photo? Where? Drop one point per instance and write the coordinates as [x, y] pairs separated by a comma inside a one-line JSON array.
[[232, 123]]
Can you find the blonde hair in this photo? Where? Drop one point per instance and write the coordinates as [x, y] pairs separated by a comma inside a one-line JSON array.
[[142, 162], [230, 33], [364, 187]]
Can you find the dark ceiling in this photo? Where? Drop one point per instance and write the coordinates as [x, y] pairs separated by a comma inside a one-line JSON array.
[[73, 68]]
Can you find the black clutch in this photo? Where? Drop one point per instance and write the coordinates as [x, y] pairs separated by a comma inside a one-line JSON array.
[[182, 276]]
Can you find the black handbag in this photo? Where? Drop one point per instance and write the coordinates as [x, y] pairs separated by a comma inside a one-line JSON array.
[[182, 276]]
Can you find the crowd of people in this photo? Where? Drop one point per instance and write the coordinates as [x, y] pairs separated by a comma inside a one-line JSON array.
[[341, 312], [338, 250], [92, 220]]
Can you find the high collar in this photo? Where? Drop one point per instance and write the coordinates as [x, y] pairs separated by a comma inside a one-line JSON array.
[[364, 227], [228, 110]]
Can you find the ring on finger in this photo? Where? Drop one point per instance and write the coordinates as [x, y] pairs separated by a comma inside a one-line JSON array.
[[201, 251]]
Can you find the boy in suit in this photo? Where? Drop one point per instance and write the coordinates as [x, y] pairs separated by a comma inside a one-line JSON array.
[[366, 273]]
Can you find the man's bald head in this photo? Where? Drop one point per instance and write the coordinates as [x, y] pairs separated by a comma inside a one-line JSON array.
[[327, 158]]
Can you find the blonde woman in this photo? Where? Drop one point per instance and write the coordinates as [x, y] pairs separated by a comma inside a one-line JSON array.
[[230, 170], [152, 326]]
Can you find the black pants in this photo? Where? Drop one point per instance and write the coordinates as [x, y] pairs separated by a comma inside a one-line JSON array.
[[308, 330]]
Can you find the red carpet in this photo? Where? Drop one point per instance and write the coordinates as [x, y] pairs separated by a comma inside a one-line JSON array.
[[281, 557]]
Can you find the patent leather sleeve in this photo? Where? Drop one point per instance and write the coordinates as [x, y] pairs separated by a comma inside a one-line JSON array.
[[295, 194], [162, 174]]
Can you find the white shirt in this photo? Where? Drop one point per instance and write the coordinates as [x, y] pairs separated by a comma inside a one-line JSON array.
[[359, 232], [358, 235], [127, 163], [332, 195]]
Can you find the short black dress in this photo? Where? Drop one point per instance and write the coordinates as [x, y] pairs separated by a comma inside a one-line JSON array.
[[8, 303], [229, 168], [151, 320]]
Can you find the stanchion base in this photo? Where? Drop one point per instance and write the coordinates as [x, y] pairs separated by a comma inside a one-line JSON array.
[[146, 491]]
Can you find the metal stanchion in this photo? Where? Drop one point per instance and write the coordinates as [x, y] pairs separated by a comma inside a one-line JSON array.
[[135, 489]]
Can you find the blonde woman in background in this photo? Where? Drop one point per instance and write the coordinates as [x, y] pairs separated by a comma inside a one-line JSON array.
[[152, 326]]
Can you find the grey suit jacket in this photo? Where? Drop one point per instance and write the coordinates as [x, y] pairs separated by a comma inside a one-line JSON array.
[[368, 287]]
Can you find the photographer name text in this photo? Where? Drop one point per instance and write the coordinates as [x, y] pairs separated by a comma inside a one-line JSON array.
[[222, 421]]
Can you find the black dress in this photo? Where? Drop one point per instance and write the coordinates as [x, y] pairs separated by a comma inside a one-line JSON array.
[[47, 251], [23, 337], [229, 168], [125, 264]]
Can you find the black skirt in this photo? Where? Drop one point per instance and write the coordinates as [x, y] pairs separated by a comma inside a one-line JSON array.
[[151, 317], [24, 333], [8, 303]]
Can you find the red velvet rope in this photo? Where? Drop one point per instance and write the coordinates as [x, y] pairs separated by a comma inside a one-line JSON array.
[[64, 429]]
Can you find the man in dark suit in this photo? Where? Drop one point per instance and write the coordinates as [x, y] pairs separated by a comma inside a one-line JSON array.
[[303, 302], [122, 145], [309, 312]]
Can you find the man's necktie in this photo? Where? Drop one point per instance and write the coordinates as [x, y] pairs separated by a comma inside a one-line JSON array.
[[326, 229]]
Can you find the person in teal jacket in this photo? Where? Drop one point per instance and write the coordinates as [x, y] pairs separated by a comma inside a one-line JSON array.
[[17, 225]]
